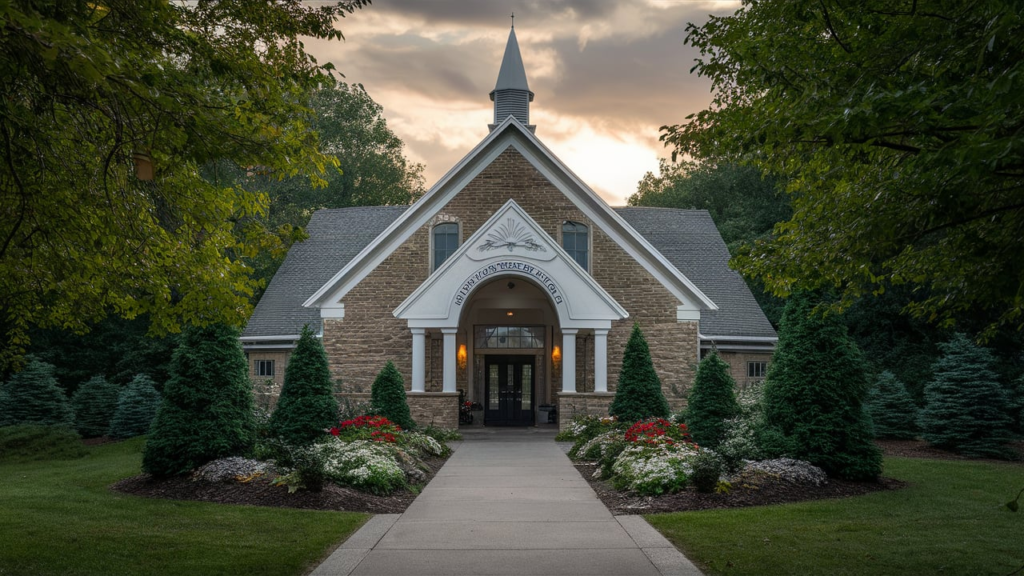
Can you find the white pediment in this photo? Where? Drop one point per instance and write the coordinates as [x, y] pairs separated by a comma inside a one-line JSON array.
[[510, 244]]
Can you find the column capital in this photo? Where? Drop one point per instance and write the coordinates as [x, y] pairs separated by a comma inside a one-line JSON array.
[[418, 331], [449, 330], [570, 331], [601, 331]]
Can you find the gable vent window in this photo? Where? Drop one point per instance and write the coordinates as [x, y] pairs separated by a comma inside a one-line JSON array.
[[575, 241], [446, 242], [264, 368]]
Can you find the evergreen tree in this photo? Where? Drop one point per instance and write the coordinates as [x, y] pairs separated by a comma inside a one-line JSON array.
[[892, 410], [306, 406], [32, 396], [207, 407], [1017, 406], [387, 397], [965, 407], [137, 406], [712, 401], [94, 403], [638, 395], [813, 396]]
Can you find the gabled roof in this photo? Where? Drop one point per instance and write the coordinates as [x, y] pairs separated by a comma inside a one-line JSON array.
[[510, 133], [686, 238]]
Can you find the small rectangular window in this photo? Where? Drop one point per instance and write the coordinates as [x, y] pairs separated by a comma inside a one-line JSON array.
[[575, 242], [264, 368], [756, 369]]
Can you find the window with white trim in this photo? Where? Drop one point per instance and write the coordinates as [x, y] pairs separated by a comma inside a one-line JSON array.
[[756, 369], [445, 241], [264, 368], [576, 241]]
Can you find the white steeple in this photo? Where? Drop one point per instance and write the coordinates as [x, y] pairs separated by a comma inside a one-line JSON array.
[[511, 94]]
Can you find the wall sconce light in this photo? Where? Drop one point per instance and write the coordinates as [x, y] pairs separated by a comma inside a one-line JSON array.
[[510, 313], [461, 357], [556, 356]]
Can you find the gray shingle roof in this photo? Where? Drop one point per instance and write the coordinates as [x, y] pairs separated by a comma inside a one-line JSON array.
[[692, 243], [687, 238]]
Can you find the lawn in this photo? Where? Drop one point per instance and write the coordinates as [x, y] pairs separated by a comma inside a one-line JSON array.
[[950, 519], [58, 517]]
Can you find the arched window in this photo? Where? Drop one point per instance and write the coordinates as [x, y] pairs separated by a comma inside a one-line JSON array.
[[576, 242], [446, 242]]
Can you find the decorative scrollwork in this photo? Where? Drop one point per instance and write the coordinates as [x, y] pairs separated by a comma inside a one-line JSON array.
[[511, 235]]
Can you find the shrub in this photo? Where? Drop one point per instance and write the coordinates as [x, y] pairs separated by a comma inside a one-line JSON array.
[[32, 396], [892, 410], [442, 435], [638, 395], [306, 406], [137, 406], [653, 469], [813, 396], [362, 464], [707, 469], [207, 410], [595, 448], [1016, 406], [740, 439], [793, 471], [712, 401], [387, 397], [585, 427], [657, 431], [95, 403], [32, 442], [965, 407]]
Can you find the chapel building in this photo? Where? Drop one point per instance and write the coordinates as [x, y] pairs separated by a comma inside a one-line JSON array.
[[510, 284]]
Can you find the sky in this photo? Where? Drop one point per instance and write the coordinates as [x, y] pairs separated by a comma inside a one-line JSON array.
[[606, 75]]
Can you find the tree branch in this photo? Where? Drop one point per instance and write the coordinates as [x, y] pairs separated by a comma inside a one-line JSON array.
[[831, 30]]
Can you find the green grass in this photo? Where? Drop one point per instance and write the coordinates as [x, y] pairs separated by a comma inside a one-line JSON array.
[[951, 519], [59, 517], [28, 442]]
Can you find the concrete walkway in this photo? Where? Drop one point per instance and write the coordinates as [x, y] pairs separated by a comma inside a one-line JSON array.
[[508, 501]]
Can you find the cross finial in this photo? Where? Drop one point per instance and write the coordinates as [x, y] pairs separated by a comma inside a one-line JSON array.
[[513, 19]]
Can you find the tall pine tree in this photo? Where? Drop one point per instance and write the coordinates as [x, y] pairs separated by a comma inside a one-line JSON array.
[[813, 395], [712, 401], [32, 396], [638, 395], [306, 406], [94, 403], [387, 397], [892, 410], [965, 407], [207, 411]]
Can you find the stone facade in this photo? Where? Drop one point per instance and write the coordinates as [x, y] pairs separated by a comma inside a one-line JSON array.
[[280, 359], [435, 409], [738, 366], [369, 335]]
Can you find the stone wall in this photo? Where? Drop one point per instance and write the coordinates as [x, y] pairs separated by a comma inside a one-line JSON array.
[[434, 409], [738, 365], [369, 335], [280, 358]]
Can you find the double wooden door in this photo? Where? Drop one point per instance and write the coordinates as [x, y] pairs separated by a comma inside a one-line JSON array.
[[508, 390]]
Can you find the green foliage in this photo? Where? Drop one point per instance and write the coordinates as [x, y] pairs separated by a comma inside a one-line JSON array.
[[33, 397], [898, 132], [965, 407], [712, 401], [638, 395], [137, 406], [707, 469], [387, 397], [893, 412], [306, 407], [207, 410], [29, 442], [813, 393], [93, 88], [442, 435], [1016, 405], [95, 403]]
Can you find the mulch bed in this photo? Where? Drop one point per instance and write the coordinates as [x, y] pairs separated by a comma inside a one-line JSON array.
[[260, 492]]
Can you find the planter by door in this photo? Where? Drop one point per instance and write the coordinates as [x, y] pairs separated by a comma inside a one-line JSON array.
[[508, 390]]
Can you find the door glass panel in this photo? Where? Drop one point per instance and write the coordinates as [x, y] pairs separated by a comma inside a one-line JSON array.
[[527, 388], [492, 385]]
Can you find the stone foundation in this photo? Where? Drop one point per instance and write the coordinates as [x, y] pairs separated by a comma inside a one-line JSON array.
[[437, 409]]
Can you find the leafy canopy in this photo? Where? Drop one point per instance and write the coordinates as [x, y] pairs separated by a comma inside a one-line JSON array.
[[91, 88], [898, 127]]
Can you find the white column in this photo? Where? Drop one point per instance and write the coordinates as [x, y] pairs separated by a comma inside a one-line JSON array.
[[449, 359], [419, 364], [600, 360], [569, 361]]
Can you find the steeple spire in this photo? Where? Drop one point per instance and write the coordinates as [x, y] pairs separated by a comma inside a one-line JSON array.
[[511, 94]]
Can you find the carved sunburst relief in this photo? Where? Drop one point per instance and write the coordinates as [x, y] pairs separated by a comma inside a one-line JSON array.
[[511, 235]]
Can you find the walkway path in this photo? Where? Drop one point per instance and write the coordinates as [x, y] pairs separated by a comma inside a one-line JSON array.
[[508, 501]]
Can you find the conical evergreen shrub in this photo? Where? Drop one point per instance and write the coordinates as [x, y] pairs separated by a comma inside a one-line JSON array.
[[32, 396], [387, 397], [137, 406], [892, 410], [206, 412], [638, 395], [712, 401], [813, 394], [95, 403], [306, 406], [1016, 406], [965, 407]]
